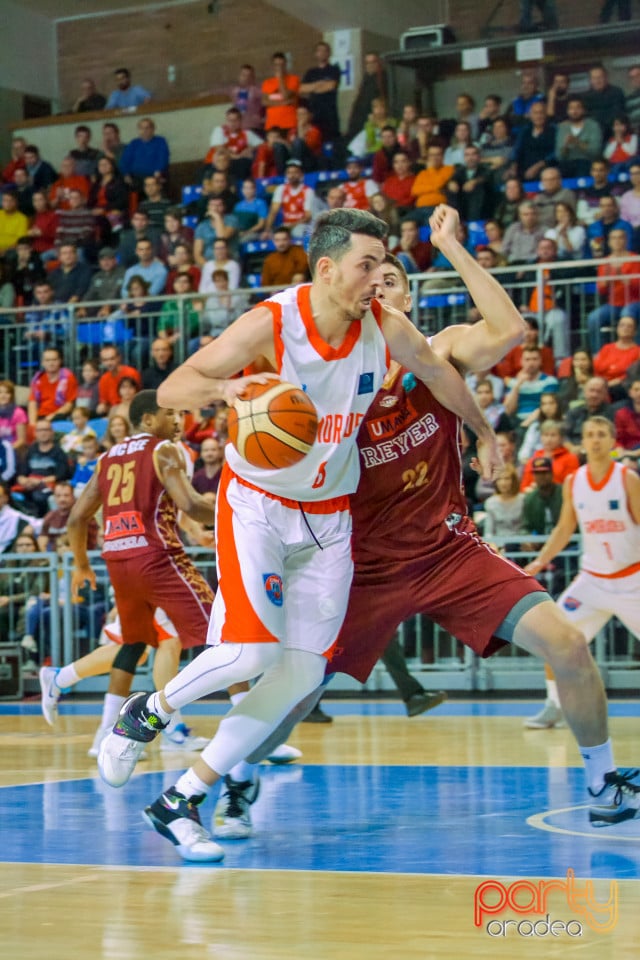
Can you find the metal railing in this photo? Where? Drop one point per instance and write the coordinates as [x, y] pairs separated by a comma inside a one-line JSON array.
[[68, 630], [439, 299]]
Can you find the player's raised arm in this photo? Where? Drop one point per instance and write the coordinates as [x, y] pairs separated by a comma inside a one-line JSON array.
[[475, 346], [560, 535], [170, 469], [204, 378], [412, 350]]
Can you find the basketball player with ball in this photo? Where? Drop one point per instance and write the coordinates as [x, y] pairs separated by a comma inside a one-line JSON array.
[[417, 552], [283, 527]]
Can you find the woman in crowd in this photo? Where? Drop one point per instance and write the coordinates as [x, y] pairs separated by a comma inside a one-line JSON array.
[[461, 139], [622, 146], [118, 427], [551, 446], [614, 359], [550, 409], [44, 227], [579, 370], [385, 209], [569, 235], [504, 508], [109, 196], [13, 419]]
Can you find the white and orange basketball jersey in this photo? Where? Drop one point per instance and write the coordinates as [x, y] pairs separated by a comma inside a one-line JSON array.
[[610, 535], [341, 381]]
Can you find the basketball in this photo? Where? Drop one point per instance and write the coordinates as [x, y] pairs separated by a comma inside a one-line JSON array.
[[273, 425]]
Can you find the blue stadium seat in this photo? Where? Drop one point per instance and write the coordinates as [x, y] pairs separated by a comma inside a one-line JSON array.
[[190, 222], [443, 300], [191, 193], [257, 246], [424, 233], [477, 235]]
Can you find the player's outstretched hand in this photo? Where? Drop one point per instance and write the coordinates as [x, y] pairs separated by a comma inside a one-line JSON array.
[[444, 223], [80, 576], [489, 460], [235, 388]]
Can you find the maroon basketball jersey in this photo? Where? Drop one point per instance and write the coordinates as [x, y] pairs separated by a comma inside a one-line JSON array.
[[140, 518], [403, 510]]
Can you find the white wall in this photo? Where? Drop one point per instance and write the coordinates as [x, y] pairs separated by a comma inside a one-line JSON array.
[[29, 62]]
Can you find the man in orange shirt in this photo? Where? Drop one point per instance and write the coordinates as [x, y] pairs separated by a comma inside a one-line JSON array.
[[115, 370], [429, 186], [287, 264], [53, 390], [69, 180], [280, 96]]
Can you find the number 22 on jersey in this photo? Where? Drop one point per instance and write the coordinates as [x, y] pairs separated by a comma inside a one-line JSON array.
[[416, 476]]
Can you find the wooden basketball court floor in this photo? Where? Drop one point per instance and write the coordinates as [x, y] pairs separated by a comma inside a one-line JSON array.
[[373, 846]]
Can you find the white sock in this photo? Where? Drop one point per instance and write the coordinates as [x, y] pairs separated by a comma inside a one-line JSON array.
[[190, 785], [597, 761], [154, 705], [237, 697], [243, 772], [176, 718], [111, 709], [552, 693], [67, 677]]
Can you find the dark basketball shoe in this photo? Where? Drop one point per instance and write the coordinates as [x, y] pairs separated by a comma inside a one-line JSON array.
[[121, 749], [176, 818], [618, 800]]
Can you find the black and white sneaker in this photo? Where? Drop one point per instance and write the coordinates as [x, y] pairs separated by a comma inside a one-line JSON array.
[[619, 799], [176, 818], [232, 816]]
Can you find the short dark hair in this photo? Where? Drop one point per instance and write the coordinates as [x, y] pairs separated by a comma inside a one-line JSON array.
[[122, 70], [333, 231], [144, 402], [389, 126], [82, 128], [31, 148]]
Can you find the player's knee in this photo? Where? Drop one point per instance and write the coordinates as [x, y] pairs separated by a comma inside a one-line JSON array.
[[127, 657], [569, 651]]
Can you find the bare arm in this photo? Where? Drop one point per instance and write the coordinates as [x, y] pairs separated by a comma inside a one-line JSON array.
[[632, 486], [205, 378], [85, 507], [170, 469], [412, 350], [481, 345], [561, 533]]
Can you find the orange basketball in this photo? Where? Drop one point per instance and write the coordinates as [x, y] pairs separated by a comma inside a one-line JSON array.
[[273, 425]]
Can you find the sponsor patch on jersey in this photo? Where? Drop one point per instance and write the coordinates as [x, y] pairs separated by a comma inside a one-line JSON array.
[[127, 523], [614, 504], [365, 384], [273, 588], [570, 603], [388, 401], [380, 428]]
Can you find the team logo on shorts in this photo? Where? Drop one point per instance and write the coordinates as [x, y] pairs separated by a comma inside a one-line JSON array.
[[570, 603], [273, 587], [365, 384]]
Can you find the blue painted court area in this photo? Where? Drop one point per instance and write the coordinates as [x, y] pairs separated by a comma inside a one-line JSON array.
[[339, 708], [421, 820]]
